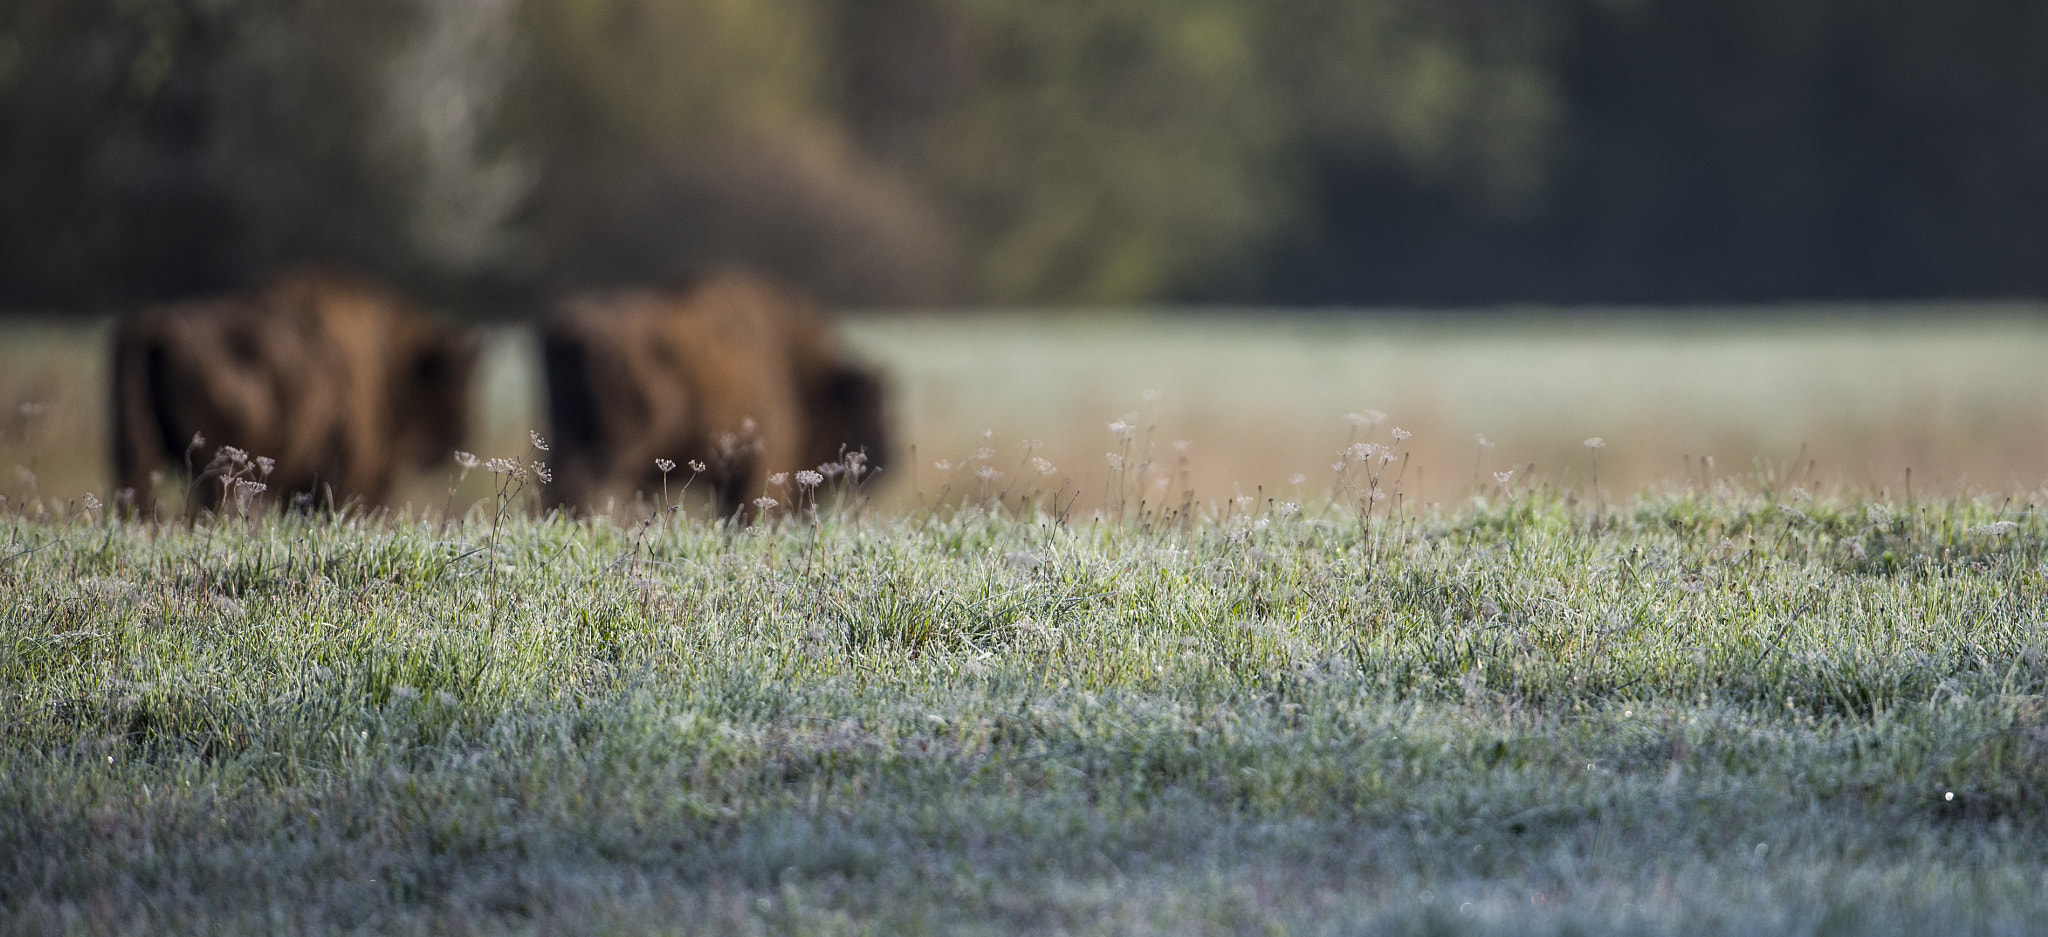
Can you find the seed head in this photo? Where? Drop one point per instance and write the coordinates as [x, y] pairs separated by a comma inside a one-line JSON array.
[[809, 479], [779, 479], [540, 471], [467, 460], [91, 503], [1044, 467], [696, 466], [538, 443], [265, 464], [984, 453], [831, 469], [1595, 442], [1504, 477], [499, 466], [1400, 434], [235, 455], [766, 503], [1116, 462], [1122, 430], [943, 465], [987, 473], [665, 465]]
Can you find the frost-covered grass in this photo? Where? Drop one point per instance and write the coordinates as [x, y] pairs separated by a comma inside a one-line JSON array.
[[1688, 713]]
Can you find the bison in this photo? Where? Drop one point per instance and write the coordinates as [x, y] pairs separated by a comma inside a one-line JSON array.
[[729, 373], [330, 382]]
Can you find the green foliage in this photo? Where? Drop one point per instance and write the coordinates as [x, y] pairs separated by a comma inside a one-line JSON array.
[[1526, 716]]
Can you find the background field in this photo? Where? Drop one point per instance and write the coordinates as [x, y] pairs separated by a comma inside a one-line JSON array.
[[1956, 394]]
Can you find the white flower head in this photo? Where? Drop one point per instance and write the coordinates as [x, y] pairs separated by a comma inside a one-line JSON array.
[[1116, 462], [91, 503], [766, 503], [1595, 442], [499, 466], [984, 454], [943, 465], [467, 460], [1480, 438], [1043, 466], [1122, 430], [988, 473], [665, 465], [1400, 434], [696, 466], [538, 443], [779, 479], [266, 465], [1289, 508], [809, 479], [1504, 477], [540, 471]]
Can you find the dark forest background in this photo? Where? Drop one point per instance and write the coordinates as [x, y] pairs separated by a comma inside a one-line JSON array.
[[918, 152]]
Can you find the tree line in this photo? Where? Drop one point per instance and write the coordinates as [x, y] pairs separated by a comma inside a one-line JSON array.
[[890, 152]]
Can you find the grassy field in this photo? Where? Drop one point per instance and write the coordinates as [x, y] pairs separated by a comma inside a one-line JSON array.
[[1857, 397], [1734, 711], [1786, 690]]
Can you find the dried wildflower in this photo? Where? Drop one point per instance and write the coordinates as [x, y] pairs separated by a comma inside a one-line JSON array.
[[943, 465], [1504, 477], [1044, 467], [246, 488], [1116, 462], [666, 466], [1243, 501], [856, 457], [1289, 508], [1983, 530], [1879, 515], [766, 503], [987, 473], [1595, 442], [1336, 466], [265, 465], [235, 455], [696, 466], [499, 466], [831, 469], [467, 460], [198, 441], [809, 479], [91, 503], [779, 478], [1400, 434], [540, 471], [538, 443], [1122, 429]]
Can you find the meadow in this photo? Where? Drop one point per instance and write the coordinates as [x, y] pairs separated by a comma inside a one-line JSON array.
[[1778, 699]]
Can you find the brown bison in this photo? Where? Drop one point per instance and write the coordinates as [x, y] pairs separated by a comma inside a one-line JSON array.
[[332, 380], [730, 373]]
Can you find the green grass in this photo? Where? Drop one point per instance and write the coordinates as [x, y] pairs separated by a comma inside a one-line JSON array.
[[1693, 712]]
